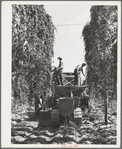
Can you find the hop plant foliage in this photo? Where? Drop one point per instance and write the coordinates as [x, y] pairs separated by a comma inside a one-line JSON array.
[[100, 38], [32, 50]]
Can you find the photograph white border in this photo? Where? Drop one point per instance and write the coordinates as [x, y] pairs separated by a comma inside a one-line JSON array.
[[6, 43]]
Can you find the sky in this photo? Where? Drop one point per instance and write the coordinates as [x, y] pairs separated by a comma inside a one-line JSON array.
[[69, 21]]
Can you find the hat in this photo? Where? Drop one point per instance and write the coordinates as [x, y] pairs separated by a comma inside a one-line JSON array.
[[59, 58], [83, 64]]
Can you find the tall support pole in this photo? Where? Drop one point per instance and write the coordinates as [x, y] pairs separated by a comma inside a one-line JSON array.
[[106, 109]]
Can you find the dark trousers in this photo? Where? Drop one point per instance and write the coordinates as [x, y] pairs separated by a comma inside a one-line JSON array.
[[36, 104], [76, 79], [84, 101], [59, 77]]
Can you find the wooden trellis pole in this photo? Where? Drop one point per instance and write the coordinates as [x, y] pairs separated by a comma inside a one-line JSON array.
[[106, 100], [106, 110]]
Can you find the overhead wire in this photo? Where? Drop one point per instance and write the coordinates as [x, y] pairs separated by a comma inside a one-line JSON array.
[[68, 24]]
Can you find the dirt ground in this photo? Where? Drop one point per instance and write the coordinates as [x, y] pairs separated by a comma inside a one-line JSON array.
[[28, 128]]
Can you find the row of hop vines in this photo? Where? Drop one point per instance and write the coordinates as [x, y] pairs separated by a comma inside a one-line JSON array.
[[100, 38], [32, 52]]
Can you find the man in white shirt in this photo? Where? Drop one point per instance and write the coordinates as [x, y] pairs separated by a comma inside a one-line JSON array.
[[77, 73]]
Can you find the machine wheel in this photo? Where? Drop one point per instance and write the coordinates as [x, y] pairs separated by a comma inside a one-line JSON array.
[[61, 118]]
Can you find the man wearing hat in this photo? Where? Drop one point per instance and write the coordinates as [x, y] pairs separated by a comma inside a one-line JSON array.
[[60, 71]]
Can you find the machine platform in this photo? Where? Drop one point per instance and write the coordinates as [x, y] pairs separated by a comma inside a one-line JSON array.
[[68, 90]]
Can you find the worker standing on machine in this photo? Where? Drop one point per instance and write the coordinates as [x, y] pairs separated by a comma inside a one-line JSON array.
[[77, 73], [60, 71]]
